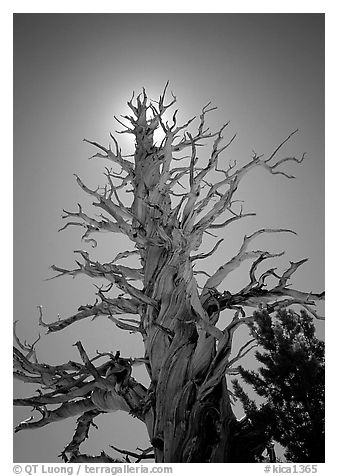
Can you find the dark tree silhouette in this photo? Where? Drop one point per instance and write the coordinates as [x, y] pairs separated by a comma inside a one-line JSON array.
[[187, 408], [292, 383]]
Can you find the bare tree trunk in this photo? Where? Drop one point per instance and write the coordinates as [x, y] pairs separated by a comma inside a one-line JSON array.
[[193, 420], [187, 408]]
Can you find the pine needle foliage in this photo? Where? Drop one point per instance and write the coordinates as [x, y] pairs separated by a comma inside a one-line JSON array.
[[291, 381]]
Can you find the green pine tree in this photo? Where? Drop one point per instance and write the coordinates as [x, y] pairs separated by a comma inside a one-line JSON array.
[[291, 381], [158, 293]]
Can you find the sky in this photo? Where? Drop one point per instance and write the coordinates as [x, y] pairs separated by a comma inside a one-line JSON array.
[[72, 74]]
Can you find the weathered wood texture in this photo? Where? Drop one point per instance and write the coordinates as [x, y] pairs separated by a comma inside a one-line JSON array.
[[187, 408]]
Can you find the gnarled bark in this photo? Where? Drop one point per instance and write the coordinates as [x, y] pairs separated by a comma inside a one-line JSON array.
[[187, 408]]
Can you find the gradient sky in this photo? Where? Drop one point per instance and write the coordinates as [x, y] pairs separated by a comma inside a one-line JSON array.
[[72, 73]]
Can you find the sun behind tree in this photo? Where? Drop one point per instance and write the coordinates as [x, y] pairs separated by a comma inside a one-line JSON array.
[[187, 408]]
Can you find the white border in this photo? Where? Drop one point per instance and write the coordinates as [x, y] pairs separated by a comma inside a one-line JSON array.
[[7, 9]]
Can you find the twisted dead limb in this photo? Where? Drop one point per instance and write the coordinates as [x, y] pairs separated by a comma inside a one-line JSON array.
[[144, 454], [88, 392], [187, 407]]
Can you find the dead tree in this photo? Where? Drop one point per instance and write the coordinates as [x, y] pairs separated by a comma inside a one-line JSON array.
[[187, 408]]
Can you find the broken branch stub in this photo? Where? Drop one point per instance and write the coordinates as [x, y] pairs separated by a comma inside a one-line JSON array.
[[186, 354]]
